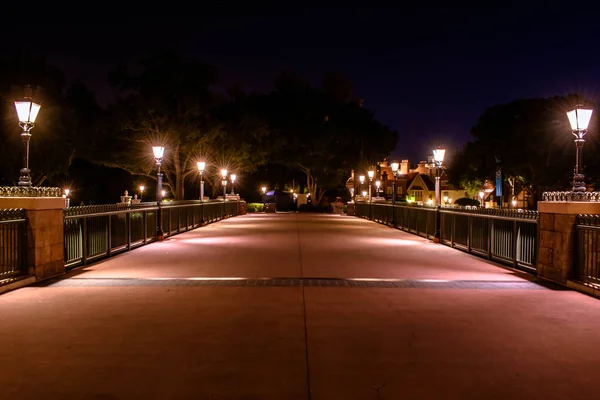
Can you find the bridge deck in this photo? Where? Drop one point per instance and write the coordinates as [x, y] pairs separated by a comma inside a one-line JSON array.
[[297, 306]]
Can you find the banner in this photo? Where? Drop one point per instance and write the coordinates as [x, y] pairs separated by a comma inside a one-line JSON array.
[[498, 182]]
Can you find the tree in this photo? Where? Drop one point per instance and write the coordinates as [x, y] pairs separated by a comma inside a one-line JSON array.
[[67, 123], [168, 103], [322, 134], [532, 139]]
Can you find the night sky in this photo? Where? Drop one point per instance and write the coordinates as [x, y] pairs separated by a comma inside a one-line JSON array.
[[427, 73]]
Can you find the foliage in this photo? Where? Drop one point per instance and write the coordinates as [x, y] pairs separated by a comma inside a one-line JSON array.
[[322, 132], [471, 186], [530, 140], [465, 201], [66, 127], [254, 207]]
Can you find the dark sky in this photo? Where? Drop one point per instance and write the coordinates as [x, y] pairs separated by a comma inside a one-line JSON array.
[[427, 73]]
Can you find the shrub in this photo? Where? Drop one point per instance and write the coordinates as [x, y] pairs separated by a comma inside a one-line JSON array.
[[465, 201], [255, 207]]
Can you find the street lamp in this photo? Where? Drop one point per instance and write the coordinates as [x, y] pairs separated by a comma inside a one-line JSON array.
[[27, 112], [159, 152], [201, 167], [142, 187], [264, 190], [377, 185], [395, 165], [371, 175], [438, 157], [232, 177], [481, 194], [224, 183], [579, 119], [164, 193], [514, 202], [445, 200], [67, 191]]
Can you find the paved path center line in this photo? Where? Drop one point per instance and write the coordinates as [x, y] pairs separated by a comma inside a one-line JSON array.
[[299, 282]]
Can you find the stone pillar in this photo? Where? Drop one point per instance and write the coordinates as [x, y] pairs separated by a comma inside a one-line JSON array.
[[242, 207], [350, 208], [556, 251], [45, 238]]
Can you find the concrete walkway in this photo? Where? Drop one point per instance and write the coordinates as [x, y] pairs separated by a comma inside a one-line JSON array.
[[296, 306]]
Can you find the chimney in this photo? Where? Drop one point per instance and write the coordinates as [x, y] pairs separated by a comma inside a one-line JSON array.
[[404, 167]]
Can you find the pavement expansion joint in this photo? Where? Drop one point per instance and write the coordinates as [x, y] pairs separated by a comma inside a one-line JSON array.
[[297, 282]]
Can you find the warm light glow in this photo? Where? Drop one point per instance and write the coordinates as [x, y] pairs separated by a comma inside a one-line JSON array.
[[449, 200], [364, 193], [514, 202], [201, 166], [438, 155], [361, 179], [445, 199], [377, 184], [27, 111], [580, 118], [430, 201], [264, 189], [67, 191], [164, 193], [481, 194], [233, 177], [159, 152], [224, 182], [142, 188], [371, 174], [224, 173], [395, 165]]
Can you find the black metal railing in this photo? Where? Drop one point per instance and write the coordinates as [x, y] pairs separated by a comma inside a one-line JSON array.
[[93, 232], [13, 243], [507, 236], [587, 249]]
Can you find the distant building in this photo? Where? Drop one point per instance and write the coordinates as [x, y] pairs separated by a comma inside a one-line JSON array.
[[414, 184]]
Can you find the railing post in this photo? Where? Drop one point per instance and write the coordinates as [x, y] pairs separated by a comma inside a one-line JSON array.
[[109, 235], [453, 230], [145, 225], [490, 233], [514, 245], [84, 244], [170, 218], [128, 220], [469, 232]]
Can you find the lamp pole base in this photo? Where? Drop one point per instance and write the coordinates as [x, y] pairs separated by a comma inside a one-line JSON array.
[[25, 178]]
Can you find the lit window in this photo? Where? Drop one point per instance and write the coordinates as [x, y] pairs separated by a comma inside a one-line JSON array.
[[418, 195]]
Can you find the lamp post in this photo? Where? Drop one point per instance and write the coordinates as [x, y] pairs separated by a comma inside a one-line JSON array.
[[67, 191], [377, 186], [224, 183], [481, 194], [27, 112], [371, 175], [201, 167], [579, 119], [395, 165], [438, 157], [159, 152], [361, 178], [514, 202], [142, 187], [232, 177]]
